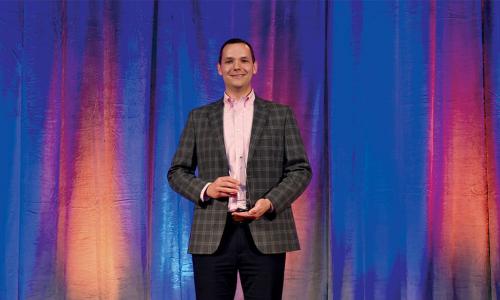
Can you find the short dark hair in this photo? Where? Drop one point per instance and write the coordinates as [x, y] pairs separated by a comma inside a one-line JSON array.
[[236, 41]]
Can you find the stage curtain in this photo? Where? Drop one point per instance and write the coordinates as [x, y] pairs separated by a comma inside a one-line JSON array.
[[398, 104]]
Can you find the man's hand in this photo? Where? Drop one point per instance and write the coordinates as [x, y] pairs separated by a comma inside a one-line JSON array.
[[261, 207], [223, 187]]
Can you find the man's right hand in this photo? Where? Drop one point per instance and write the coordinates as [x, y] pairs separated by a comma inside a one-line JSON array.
[[223, 187]]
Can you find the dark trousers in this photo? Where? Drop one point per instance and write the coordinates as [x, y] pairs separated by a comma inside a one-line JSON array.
[[261, 275]]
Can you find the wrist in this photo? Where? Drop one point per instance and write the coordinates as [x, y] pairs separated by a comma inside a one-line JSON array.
[[269, 205]]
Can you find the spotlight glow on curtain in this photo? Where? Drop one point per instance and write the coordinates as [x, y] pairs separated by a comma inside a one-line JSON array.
[[398, 104]]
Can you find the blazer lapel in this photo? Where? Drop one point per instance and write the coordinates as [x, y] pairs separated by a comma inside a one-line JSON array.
[[259, 120], [217, 119]]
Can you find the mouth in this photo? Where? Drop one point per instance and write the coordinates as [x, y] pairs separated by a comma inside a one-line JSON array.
[[237, 75]]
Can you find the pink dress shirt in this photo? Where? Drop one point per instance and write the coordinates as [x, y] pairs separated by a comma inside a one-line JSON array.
[[237, 120]]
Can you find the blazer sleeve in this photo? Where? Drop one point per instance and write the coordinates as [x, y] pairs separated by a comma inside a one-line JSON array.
[[181, 175], [296, 169]]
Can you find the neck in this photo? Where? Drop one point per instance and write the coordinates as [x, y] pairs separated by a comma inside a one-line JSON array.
[[238, 93]]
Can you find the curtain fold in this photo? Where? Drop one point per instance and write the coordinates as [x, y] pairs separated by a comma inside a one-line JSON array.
[[398, 104], [491, 83]]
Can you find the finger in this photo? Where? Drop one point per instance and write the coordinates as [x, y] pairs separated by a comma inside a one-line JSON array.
[[227, 190], [226, 184], [256, 210], [229, 179], [220, 195], [229, 185], [240, 214], [253, 214], [243, 215]]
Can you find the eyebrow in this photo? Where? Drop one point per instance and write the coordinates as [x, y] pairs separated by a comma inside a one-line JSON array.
[[230, 57]]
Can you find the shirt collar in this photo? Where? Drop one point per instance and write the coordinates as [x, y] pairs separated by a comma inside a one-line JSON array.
[[248, 99]]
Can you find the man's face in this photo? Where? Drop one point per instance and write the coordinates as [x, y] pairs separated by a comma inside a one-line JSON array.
[[236, 66]]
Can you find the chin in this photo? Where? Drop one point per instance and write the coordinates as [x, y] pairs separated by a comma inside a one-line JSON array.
[[235, 85]]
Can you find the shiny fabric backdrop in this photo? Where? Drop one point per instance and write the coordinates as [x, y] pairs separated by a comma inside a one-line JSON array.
[[398, 104]]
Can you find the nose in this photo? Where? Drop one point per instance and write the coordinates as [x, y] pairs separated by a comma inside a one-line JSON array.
[[236, 65]]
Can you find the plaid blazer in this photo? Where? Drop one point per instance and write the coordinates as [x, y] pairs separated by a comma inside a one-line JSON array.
[[277, 169]]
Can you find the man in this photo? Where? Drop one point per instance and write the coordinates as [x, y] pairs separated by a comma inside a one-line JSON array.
[[251, 167]]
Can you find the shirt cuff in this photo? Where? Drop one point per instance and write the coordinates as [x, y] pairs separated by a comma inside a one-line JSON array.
[[203, 196]]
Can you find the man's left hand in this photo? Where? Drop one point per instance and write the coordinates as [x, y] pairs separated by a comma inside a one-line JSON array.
[[261, 207]]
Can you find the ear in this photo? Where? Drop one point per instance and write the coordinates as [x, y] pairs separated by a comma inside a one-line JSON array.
[[219, 70], [255, 67]]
